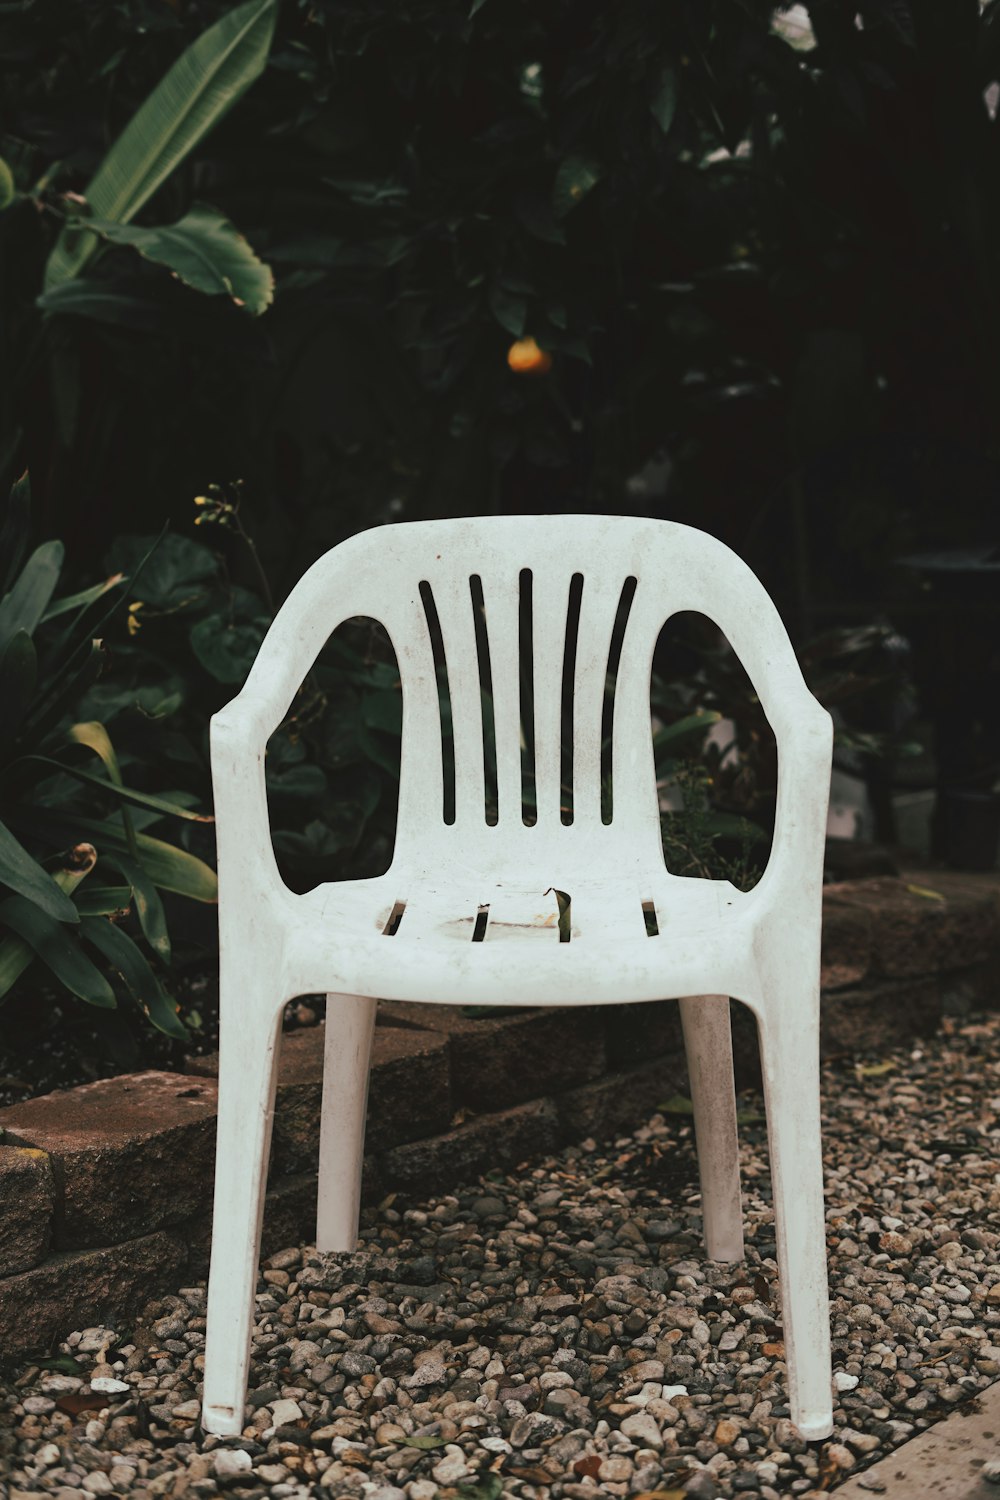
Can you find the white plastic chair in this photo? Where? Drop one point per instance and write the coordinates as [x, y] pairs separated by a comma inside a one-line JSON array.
[[468, 911]]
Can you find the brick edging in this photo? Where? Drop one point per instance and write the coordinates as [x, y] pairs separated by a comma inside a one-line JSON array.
[[105, 1190]]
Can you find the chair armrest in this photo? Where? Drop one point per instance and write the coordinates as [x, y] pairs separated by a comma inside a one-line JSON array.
[[794, 874], [246, 864]]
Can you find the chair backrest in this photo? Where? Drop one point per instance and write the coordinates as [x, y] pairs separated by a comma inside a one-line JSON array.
[[480, 585]]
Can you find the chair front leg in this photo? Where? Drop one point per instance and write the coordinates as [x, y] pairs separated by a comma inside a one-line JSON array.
[[708, 1042], [249, 1047], [789, 1046], [350, 1028]]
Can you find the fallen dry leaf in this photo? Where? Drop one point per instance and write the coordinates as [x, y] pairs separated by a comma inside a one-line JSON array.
[[75, 1402]]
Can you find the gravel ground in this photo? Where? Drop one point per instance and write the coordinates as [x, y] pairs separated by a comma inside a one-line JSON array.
[[558, 1333]]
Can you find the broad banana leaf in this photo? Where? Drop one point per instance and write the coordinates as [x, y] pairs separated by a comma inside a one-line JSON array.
[[202, 86], [203, 250]]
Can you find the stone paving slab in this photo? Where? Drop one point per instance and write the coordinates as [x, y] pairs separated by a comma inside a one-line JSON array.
[[129, 1155], [943, 1463]]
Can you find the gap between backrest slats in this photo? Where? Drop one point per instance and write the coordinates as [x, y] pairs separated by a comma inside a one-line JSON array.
[[599, 605], [455, 613]]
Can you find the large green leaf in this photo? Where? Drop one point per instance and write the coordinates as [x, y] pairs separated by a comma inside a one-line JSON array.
[[174, 568], [123, 955], [227, 648], [19, 871], [58, 950], [509, 308], [28, 600], [201, 87], [204, 250]]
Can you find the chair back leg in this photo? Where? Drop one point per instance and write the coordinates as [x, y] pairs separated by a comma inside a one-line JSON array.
[[350, 1029], [708, 1042], [248, 1071]]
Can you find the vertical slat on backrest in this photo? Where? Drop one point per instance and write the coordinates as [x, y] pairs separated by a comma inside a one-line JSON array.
[[602, 590], [500, 597], [454, 607], [421, 776], [632, 766], [550, 602]]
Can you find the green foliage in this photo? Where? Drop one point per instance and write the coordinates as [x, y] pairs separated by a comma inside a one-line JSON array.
[[69, 819], [198, 91], [749, 246], [332, 768]]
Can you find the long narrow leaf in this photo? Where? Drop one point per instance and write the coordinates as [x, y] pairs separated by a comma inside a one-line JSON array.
[[96, 738], [15, 530], [18, 675], [24, 875], [201, 87], [63, 688], [123, 955], [114, 789], [696, 723], [83, 660], [83, 599], [148, 906], [104, 900], [60, 952], [28, 600], [169, 868], [15, 953]]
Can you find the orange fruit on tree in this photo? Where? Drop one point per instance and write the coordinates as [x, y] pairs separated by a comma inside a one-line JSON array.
[[525, 358]]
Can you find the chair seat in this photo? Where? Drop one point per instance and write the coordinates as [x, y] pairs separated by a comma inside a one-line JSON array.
[[459, 940]]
